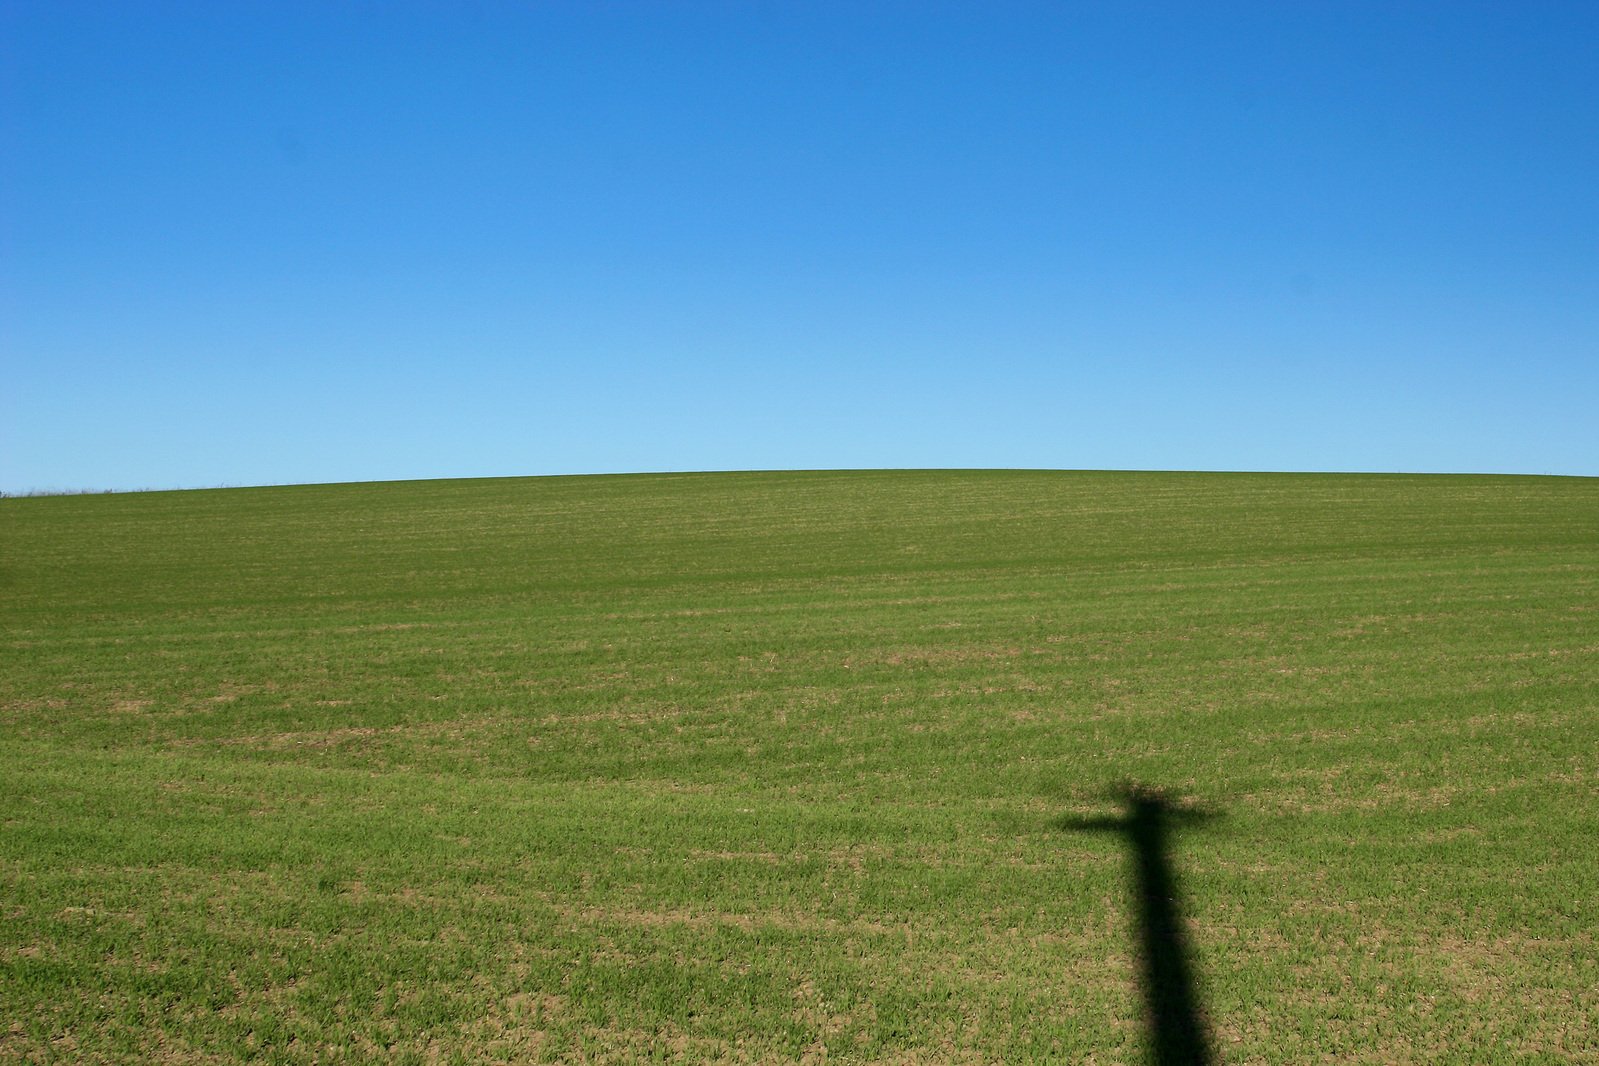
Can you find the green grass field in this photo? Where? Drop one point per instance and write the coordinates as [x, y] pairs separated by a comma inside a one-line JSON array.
[[795, 767]]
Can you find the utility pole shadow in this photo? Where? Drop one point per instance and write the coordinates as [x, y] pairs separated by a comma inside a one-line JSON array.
[[1176, 1031]]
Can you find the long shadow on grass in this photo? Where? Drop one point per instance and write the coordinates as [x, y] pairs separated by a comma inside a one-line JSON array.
[[1176, 1032]]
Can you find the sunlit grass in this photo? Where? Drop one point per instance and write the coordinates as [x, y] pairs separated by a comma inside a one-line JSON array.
[[763, 767]]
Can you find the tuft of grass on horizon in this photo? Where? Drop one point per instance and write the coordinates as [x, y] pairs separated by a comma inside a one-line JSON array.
[[782, 767]]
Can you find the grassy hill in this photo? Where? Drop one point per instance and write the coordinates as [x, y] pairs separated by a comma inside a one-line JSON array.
[[800, 766]]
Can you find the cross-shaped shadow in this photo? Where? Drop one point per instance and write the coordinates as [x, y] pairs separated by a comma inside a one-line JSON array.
[[1176, 1032]]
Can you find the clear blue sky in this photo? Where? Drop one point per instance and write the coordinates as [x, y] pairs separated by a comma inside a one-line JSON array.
[[273, 242]]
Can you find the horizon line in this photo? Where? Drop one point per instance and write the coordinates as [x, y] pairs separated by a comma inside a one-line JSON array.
[[37, 493]]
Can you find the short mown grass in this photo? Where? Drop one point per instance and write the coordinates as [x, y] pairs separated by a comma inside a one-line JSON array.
[[782, 767]]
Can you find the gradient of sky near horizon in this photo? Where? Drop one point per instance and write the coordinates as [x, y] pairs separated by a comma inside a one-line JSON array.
[[254, 243]]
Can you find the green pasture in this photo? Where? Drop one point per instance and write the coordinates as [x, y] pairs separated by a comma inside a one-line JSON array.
[[797, 767]]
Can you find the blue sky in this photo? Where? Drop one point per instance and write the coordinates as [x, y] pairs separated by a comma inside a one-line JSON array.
[[253, 243]]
